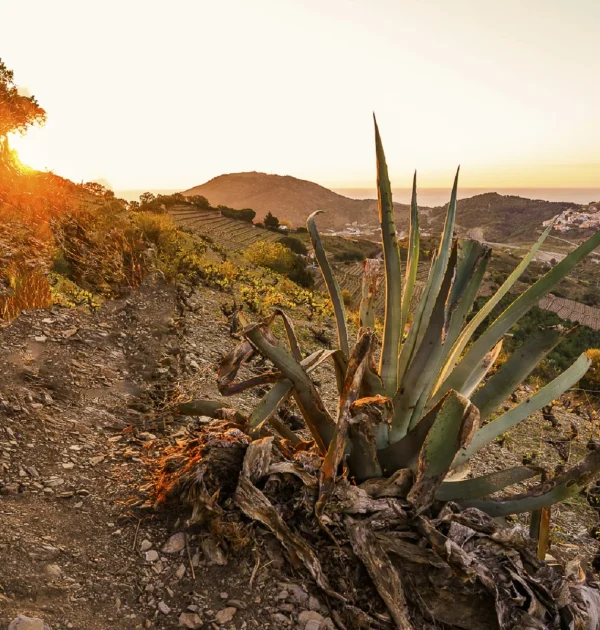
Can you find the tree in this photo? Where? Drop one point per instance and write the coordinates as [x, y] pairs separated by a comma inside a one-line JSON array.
[[17, 111], [199, 201], [146, 198], [296, 245], [271, 222]]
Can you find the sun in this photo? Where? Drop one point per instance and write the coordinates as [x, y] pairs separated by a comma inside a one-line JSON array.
[[31, 149]]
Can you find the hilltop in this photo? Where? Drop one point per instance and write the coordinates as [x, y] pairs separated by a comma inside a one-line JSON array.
[[501, 218], [291, 199]]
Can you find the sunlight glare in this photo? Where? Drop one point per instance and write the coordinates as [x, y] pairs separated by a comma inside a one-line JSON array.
[[32, 149]]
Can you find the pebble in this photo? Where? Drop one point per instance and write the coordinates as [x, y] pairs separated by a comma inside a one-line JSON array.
[[309, 615], [27, 623], [145, 545], [152, 555], [225, 615], [53, 571], [313, 603], [175, 544], [190, 620], [164, 609]]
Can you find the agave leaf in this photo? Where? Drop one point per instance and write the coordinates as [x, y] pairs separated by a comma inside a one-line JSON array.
[[516, 369], [517, 414], [405, 452], [412, 262], [392, 332], [482, 369], [469, 274], [332, 284], [211, 409], [357, 365], [473, 261], [459, 376], [307, 397], [489, 306], [290, 332], [451, 431], [484, 485], [547, 493], [281, 391], [370, 289], [438, 269], [423, 367], [430, 293]]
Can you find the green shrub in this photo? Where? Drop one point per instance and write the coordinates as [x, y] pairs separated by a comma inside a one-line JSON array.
[[246, 214], [295, 245]]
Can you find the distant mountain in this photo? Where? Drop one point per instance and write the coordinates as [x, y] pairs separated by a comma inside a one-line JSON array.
[[291, 199], [489, 216], [501, 218]]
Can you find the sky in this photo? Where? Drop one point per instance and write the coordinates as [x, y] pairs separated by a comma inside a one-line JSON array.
[[150, 95]]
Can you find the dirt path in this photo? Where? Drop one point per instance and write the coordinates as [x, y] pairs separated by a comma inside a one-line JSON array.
[[72, 551]]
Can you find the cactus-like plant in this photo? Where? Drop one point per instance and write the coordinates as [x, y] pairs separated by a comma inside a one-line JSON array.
[[427, 406]]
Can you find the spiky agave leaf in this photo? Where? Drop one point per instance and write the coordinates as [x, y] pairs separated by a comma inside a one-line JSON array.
[[412, 263], [488, 307], [547, 493], [330, 281], [392, 332], [486, 484], [431, 291], [463, 370], [317, 419], [517, 414], [516, 369], [422, 369], [451, 431]]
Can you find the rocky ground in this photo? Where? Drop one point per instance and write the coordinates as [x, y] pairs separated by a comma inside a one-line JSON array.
[[84, 412]]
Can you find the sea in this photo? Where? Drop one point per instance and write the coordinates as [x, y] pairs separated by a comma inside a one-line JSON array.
[[433, 197]]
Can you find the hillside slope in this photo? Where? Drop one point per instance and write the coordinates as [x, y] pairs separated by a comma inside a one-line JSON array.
[[290, 199], [501, 218]]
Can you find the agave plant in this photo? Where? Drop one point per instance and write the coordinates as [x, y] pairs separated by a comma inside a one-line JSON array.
[[427, 406], [390, 467]]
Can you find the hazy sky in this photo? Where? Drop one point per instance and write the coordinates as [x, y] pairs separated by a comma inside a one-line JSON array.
[[169, 94]]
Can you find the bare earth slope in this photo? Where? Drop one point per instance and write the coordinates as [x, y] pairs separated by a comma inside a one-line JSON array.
[[290, 199]]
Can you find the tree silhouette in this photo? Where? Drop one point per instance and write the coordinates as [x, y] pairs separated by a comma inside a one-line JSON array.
[[17, 111]]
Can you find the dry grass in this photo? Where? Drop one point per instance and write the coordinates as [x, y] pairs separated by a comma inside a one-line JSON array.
[[28, 289]]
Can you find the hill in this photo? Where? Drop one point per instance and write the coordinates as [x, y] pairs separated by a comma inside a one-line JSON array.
[[291, 199], [501, 218]]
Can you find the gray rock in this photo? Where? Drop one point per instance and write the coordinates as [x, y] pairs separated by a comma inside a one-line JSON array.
[[152, 555], [175, 544], [164, 609], [145, 545], [27, 623]]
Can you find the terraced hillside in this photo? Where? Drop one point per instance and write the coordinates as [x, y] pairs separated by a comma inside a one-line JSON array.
[[230, 233], [573, 311]]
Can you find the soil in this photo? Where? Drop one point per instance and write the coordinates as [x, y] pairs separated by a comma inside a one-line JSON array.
[[84, 411]]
